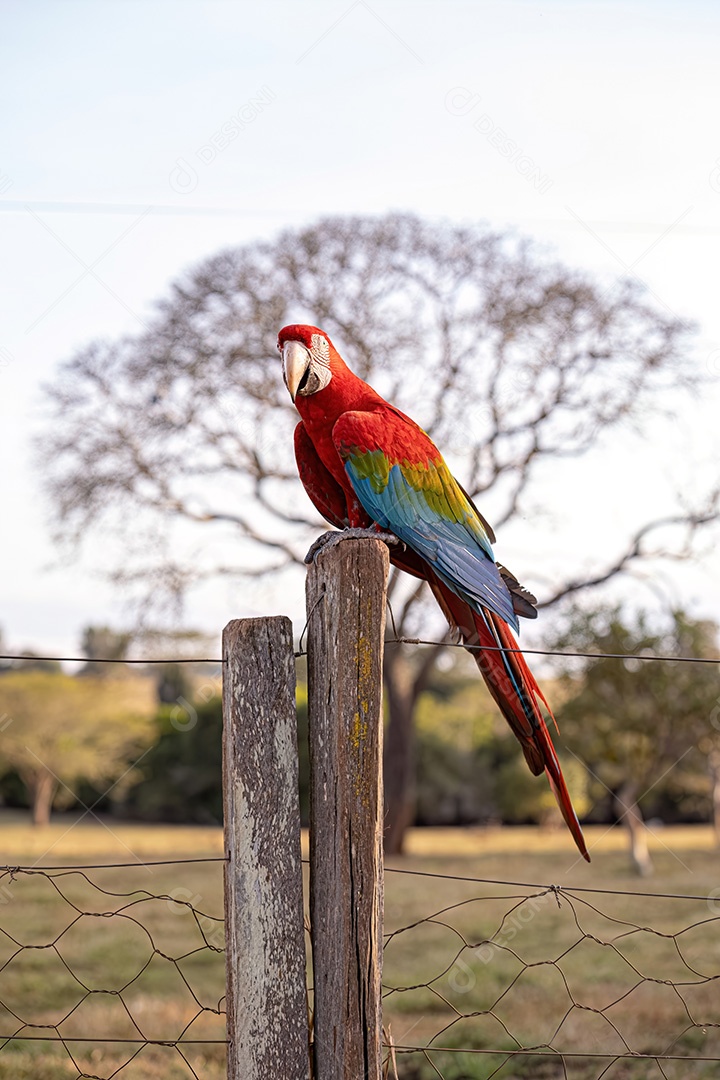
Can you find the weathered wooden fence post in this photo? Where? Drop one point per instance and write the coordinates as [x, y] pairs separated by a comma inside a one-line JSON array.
[[265, 950], [346, 590]]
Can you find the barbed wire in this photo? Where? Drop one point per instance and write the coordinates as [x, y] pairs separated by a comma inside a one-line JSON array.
[[556, 652], [116, 865], [113, 660], [708, 898], [86, 969], [544, 977], [667, 658]]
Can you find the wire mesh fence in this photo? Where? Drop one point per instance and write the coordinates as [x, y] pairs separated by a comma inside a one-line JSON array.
[[101, 975], [532, 980]]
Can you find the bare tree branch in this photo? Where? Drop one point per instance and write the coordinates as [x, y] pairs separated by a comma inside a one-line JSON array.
[[635, 550]]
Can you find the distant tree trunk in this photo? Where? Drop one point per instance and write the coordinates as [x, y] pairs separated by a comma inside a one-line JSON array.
[[631, 817], [403, 685], [399, 752], [713, 760], [42, 786]]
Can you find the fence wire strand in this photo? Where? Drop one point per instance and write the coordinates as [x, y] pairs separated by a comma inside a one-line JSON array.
[[556, 652], [85, 968], [445, 643]]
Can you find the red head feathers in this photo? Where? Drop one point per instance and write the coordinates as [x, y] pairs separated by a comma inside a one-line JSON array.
[[300, 332]]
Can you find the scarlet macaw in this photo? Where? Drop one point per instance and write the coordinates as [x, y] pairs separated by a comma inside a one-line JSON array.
[[370, 469]]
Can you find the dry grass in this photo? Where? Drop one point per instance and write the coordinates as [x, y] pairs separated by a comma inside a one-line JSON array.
[[71, 837], [537, 987], [543, 962], [88, 952]]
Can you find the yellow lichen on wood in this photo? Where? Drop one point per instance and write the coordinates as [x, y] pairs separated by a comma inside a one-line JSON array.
[[359, 730]]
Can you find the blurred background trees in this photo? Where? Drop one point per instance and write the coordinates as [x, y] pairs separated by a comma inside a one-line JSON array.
[[639, 739], [643, 729], [62, 729], [102, 643], [506, 358]]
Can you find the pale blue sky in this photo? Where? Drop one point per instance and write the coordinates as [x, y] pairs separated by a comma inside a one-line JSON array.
[[613, 105]]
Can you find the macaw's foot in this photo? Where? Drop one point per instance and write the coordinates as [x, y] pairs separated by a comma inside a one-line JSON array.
[[330, 539]]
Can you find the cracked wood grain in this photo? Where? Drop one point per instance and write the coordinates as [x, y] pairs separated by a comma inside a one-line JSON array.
[[346, 589], [265, 950]]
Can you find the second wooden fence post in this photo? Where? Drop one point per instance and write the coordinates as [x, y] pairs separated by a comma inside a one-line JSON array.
[[265, 961], [346, 591]]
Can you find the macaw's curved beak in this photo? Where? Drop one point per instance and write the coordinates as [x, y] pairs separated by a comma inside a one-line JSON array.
[[296, 365]]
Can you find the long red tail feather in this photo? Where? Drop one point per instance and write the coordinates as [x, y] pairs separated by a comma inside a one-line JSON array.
[[509, 680], [533, 734]]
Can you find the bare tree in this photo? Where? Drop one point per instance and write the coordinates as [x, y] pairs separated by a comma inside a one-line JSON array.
[[506, 359]]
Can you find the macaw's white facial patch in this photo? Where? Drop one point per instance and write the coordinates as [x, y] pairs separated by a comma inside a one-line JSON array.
[[320, 350], [319, 374], [306, 371]]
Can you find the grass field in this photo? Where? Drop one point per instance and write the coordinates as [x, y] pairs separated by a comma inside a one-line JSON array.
[[550, 976]]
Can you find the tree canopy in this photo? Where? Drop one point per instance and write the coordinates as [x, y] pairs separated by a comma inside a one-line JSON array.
[[638, 724], [62, 729]]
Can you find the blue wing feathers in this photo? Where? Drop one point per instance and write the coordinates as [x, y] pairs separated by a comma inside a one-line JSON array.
[[455, 547]]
